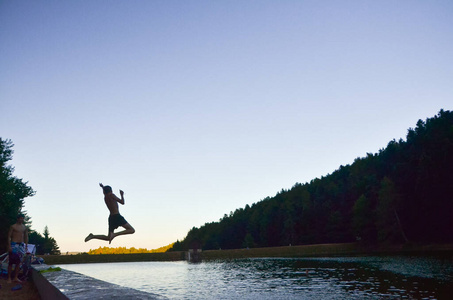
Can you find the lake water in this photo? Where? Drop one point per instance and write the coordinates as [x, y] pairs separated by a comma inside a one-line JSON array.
[[399, 277]]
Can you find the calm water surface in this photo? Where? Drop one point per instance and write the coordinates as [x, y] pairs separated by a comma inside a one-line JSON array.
[[269, 278]]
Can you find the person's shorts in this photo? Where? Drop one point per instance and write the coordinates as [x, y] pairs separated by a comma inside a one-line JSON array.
[[16, 254], [116, 221]]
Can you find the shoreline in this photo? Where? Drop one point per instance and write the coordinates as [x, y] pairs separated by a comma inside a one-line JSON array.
[[317, 250], [65, 282]]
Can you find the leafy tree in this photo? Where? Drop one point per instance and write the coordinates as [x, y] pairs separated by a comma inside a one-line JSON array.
[[36, 239], [50, 245], [45, 244], [12, 192], [248, 241], [387, 221], [363, 219]]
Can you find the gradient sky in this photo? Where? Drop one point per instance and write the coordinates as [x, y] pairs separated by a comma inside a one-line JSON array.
[[197, 108]]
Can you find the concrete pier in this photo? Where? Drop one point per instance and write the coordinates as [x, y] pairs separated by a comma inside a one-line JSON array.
[[66, 284]]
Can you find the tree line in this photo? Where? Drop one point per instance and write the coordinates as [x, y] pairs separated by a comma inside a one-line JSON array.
[[124, 250], [13, 191], [402, 194]]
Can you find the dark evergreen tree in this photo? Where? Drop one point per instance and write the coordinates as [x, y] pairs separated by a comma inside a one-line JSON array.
[[13, 191]]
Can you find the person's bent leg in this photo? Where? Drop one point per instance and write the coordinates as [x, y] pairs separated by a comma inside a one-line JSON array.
[[97, 236], [128, 230]]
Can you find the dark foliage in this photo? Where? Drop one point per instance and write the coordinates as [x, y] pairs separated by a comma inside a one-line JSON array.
[[403, 193], [13, 191], [45, 244]]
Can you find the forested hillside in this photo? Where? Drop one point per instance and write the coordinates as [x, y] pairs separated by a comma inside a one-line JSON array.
[[403, 193]]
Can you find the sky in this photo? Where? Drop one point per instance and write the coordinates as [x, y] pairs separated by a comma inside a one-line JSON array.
[[198, 108]]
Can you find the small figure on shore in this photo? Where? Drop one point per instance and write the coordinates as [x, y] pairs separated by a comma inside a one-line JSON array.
[[17, 246], [115, 219]]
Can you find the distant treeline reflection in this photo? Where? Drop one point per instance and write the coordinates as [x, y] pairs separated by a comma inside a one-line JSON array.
[[402, 194]]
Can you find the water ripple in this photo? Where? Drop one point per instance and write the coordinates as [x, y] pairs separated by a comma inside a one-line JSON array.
[[317, 278]]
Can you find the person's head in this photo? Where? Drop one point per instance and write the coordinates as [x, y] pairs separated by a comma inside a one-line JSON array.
[[107, 189], [20, 218]]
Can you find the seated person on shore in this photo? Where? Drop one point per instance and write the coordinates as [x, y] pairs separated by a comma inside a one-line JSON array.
[[115, 219], [17, 246]]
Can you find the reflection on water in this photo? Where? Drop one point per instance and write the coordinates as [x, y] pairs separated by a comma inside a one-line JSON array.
[[269, 278]]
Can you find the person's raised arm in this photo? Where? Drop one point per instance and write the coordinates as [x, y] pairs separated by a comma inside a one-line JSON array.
[[118, 199], [122, 197]]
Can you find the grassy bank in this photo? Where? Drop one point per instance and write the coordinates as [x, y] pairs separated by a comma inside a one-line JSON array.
[[320, 250], [288, 251]]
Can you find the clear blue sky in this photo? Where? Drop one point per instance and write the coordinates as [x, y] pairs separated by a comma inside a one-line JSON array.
[[197, 108]]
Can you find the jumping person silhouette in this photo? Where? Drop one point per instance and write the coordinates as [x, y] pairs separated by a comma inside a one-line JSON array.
[[115, 219]]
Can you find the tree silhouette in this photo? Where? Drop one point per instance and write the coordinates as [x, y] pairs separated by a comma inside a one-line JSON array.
[[12, 192]]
